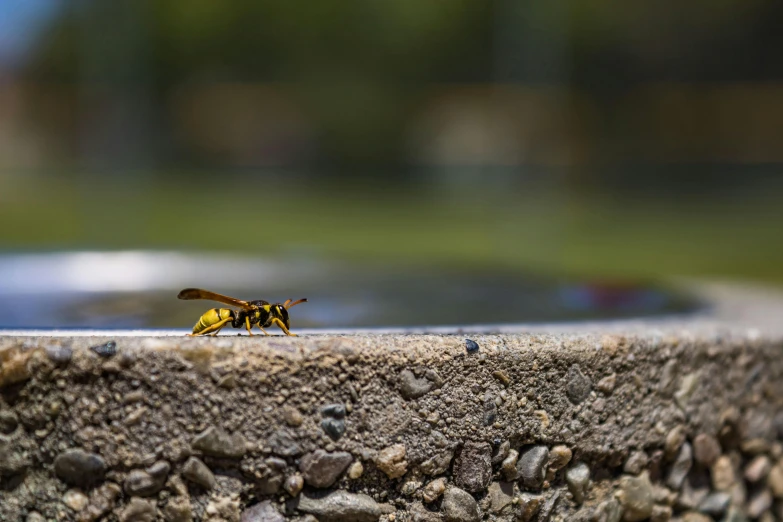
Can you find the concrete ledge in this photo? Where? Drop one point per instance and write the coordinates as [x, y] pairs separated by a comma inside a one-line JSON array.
[[650, 421]]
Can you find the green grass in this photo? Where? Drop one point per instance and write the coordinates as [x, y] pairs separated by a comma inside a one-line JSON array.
[[572, 235]]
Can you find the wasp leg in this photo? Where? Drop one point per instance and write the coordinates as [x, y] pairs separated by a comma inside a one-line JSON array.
[[248, 326], [280, 324], [259, 327], [214, 328]]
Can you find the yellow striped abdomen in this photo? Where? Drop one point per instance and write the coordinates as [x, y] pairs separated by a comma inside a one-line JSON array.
[[211, 317]]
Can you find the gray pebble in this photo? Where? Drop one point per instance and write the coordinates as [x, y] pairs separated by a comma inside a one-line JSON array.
[[490, 410], [412, 387], [471, 346], [138, 510], [459, 506], [217, 443], [636, 463], [548, 507], [473, 467], [578, 479], [321, 469], [59, 354], [139, 483], [336, 411], [8, 422], [691, 497], [273, 476], [501, 495], [636, 497], [578, 387], [531, 466], [500, 452], [145, 483], [340, 506], [262, 512], [681, 466], [759, 503], [715, 504], [197, 472], [437, 464], [609, 511], [106, 349], [282, 443], [79, 468], [333, 427], [661, 514]]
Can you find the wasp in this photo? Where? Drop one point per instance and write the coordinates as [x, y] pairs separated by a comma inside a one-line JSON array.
[[259, 312]]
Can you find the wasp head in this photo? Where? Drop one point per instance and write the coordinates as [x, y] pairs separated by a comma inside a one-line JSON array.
[[281, 313]]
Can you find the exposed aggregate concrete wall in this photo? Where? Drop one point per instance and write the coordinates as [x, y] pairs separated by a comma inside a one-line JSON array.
[[658, 426]]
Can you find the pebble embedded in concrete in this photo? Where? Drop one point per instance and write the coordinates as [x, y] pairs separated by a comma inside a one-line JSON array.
[[529, 506], [79, 468], [76, 500], [460, 506], [674, 440], [412, 387], [473, 467], [145, 483], [559, 457], [501, 496], [392, 461], [715, 504], [433, 490], [706, 449], [293, 485], [340, 506], [578, 479], [262, 512], [636, 463], [680, 467], [531, 466], [321, 469], [355, 470], [509, 465], [578, 386], [636, 497], [759, 504], [197, 472], [215, 442], [758, 469], [722, 473]]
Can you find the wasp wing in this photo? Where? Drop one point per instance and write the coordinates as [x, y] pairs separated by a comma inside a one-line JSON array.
[[198, 293]]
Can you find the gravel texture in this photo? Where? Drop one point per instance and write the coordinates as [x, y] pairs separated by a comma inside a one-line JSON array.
[[665, 422]]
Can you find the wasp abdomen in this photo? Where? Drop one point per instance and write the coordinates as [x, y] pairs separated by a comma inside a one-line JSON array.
[[212, 317]]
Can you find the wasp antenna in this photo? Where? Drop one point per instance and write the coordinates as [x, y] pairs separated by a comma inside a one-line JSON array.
[[295, 303], [285, 305]]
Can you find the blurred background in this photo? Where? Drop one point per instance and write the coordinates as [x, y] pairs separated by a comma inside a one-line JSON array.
[[611, 146]]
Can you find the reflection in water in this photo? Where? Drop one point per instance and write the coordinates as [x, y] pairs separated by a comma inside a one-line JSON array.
[[139, 289]]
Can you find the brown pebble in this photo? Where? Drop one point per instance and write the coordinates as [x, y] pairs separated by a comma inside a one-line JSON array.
[[674, 441], [723, 477], [706, 449], [758, 469]]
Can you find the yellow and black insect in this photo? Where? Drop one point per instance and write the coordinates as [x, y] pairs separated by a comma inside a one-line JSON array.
[[258, 312]]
